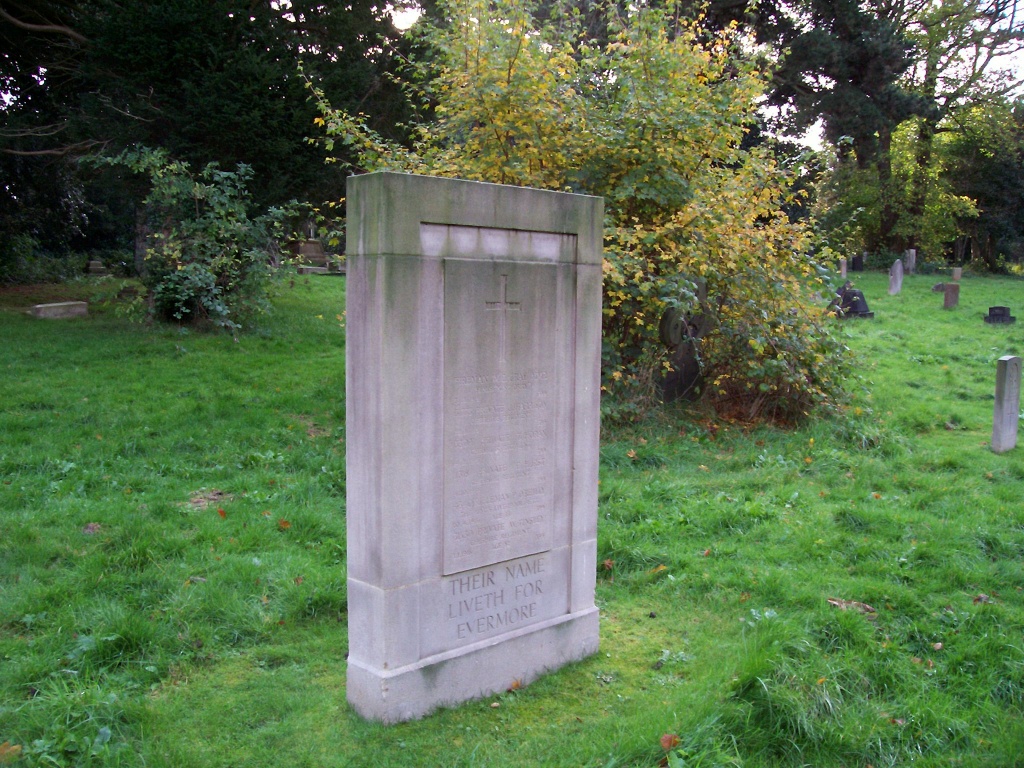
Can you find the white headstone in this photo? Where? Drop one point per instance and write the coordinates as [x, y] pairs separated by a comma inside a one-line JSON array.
[[1007, 409], [910, 260], [473, 392], [842, 268], [896, 277], [957, 272]]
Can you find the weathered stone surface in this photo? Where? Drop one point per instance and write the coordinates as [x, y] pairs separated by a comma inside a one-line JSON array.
[[957, 273], [842, 268], [473, 357], [1007, 406], [60, 310]]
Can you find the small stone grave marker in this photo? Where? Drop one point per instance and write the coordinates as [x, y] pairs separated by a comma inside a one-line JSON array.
[[910, 261], [951, 295], [999, 316], [60, 310], [472, 406], [896, 277], [957, 273], [858, 263], [1007, 407], [842, 269]]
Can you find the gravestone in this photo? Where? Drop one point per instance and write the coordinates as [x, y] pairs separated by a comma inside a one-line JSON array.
[[472, 394], [1007, 408], [858, 263], [842, 268], [910, 261], [999, 316], [60, 310], [957, 272], [951, 295], [850, 302], [681, 332], [896, 277]]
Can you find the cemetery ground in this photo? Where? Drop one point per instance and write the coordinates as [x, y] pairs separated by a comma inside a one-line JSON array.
[[172, 560]]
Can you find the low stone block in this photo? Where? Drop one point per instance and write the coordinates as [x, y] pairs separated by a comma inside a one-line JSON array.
[[60, 309]]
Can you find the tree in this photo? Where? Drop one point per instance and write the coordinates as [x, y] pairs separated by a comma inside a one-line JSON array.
[[652, 119], [984, 160], [205, 80], [959, 43]]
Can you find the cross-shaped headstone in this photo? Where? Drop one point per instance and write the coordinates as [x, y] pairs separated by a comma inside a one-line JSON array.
[[504, 306]]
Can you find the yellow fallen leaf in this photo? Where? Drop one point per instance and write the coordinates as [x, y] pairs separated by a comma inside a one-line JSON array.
[[9, 752]]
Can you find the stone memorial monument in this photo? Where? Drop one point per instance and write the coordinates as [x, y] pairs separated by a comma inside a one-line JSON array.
[[896, 277], [1007, 409], [958, 272], [472, 395], [842, 269]]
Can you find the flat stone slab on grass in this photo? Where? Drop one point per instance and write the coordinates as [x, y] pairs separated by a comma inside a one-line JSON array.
[[61, 309]]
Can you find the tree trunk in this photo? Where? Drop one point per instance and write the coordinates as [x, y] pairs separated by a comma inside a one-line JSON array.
[[140, 239], [919, 179], [926, 128], [888, 211]]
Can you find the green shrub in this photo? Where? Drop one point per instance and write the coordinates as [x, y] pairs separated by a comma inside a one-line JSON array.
[[208, 260]]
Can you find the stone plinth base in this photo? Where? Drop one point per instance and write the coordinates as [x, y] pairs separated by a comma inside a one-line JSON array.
[[489, 667]]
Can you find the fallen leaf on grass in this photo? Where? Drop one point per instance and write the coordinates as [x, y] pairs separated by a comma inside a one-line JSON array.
[[845, 605], [669, 741], [9, 752], [91, 528], [283, 525], [982, 598], [203, 498], [221, 512], [659, 568]]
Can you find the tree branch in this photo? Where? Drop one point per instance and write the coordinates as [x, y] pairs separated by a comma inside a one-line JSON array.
[[59, 29]]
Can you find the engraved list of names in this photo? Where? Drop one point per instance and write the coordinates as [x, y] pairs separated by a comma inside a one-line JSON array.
[[500, 392]]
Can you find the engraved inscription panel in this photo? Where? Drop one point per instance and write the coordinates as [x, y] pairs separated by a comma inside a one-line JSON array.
[[502, 382], [486, 602]]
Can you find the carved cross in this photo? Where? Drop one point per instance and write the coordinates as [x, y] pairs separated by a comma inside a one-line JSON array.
[[504, 306]]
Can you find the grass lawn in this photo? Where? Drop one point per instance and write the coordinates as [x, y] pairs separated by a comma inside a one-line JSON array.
[[172, 560]]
